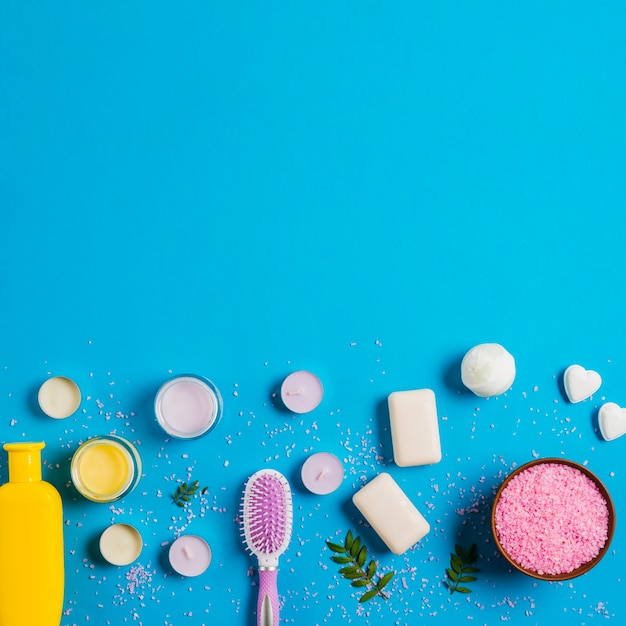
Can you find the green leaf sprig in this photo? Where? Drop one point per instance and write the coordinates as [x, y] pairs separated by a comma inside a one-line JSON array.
[[461, 569], [352, 555], [183, 494]]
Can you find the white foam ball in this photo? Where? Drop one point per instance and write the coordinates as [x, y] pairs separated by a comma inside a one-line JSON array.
[[488, 370]]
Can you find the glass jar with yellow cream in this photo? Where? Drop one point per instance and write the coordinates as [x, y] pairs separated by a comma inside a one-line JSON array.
[[105, 468]]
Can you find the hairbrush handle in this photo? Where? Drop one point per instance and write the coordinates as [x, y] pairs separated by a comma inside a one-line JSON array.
[[267, 605]]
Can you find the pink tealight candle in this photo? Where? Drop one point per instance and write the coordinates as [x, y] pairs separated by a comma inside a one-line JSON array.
[[190, 555], [322, 473], [301, 391]]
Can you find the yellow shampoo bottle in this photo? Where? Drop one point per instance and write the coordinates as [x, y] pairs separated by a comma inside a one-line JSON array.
[[31, 543]]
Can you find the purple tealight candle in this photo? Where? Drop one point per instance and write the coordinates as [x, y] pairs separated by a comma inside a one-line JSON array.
[[301, 391], [190, 555], [322, 473]]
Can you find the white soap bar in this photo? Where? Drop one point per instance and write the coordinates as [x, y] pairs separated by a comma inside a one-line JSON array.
[[414, 427], [390, 513]]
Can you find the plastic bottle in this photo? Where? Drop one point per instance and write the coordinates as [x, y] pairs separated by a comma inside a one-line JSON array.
[[31, 542]]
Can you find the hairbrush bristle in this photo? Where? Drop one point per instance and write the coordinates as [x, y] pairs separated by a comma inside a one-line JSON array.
[[267, 514]]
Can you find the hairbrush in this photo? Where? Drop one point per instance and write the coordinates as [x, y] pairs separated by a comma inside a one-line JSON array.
[[267, 518]]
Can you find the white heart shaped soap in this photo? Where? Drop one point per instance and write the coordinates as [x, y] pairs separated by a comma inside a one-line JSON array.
[[580, 383], [612, 420]]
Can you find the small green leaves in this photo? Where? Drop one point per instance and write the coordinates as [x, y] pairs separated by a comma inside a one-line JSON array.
[[184, 492], [368, 595], [384, 580], [353, 556], [341, 559], [461, 568], [335, 547]]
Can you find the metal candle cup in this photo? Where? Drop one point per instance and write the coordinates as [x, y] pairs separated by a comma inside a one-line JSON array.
[[322, 473], [120, 544], [301, 392], [59, 397], [190, 555]]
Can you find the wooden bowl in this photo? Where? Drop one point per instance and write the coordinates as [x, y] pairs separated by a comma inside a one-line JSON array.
[[585, 567]]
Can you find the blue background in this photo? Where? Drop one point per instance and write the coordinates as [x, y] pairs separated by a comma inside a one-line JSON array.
[[239, 191]]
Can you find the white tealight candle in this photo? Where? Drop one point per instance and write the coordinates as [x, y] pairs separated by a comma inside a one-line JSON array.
[[59, 397], [121, 544]]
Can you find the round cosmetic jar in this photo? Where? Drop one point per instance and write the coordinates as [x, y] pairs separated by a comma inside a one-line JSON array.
[[188, 406], [105, 468]]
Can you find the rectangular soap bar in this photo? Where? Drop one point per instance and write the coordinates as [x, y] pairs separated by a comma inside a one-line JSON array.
[[414, 427], [390, 513]]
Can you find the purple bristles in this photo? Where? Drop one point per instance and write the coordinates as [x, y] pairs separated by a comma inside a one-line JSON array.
[[267, 512]]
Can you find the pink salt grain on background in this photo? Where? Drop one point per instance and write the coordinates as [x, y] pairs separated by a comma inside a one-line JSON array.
[[552, 519]]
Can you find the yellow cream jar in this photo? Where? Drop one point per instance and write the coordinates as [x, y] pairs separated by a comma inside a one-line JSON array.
[[105, 468]]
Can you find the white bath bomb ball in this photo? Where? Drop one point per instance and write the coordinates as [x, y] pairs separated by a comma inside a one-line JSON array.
[[488, 369]]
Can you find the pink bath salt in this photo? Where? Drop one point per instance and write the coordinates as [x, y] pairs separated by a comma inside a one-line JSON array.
[[551, 519]]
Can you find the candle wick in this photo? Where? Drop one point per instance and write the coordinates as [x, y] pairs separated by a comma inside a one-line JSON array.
[[294, 392], [188, 552], [322, 474]]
